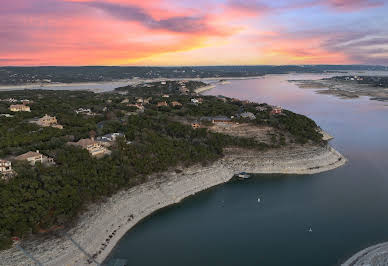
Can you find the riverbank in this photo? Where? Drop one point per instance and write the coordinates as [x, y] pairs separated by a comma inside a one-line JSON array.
[[100, 228], [376, 255]]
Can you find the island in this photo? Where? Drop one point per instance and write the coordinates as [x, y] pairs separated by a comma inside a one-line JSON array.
[[348, 87], [118, 157]]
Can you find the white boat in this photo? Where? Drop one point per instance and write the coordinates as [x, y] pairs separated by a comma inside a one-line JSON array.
[[243, 175]]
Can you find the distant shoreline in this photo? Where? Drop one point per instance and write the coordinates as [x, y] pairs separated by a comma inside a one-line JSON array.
[[119, 82]]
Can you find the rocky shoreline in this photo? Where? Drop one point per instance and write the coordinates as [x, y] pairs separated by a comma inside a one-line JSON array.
[[101, 227], [376, 255]]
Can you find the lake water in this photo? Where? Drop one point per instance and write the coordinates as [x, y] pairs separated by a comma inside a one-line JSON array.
[[346, 208]]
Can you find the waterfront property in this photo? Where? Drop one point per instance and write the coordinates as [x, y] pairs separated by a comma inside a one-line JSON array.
[[92, 146], [19, 108], [34, 157], [48, 121]]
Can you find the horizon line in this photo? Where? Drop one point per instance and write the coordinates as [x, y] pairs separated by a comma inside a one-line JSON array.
[[182, 66]]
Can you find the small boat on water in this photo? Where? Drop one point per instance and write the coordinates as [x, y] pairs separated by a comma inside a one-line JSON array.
[[243, 175]]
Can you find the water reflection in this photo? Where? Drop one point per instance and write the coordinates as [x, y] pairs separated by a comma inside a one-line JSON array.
[[346, 208]]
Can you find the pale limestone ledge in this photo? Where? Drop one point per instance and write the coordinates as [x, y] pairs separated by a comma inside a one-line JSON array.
[[100, 221], [376, 255]]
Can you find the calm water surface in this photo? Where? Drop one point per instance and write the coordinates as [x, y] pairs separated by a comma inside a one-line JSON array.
[[346, 208]]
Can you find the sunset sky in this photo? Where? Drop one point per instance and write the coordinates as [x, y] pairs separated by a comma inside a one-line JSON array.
[[193, 32]]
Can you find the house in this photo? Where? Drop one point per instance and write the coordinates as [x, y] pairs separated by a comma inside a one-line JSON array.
[[276, 110], [175, 103], [84, 111], [194, 101], [35, 157], [6, 115], [261, 108], [25, 101], [217, 119], [5, 167], [221, 119], [248, 115], [163, 83], [183, 89], [19, 108], [221, 98], [139, 106], [125, 100], [11, 100], [108, 139], [160, 104], [165, 96], [48, 121], [147, 101], [92, 146], [195, 125]]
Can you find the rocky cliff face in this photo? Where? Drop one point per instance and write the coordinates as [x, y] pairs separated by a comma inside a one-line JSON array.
[[307, 159], [99, 229]]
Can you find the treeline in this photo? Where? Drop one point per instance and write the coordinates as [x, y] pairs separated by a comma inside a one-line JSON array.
[[40, 197]]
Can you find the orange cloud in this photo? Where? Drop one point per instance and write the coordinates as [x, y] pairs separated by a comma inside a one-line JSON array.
[[173, 32]]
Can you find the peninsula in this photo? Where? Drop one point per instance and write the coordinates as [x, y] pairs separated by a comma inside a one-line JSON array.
[[348, 87], [120, 156]]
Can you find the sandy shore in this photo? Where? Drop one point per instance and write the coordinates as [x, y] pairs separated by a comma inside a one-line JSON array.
[[374, 256], [101, 227]]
